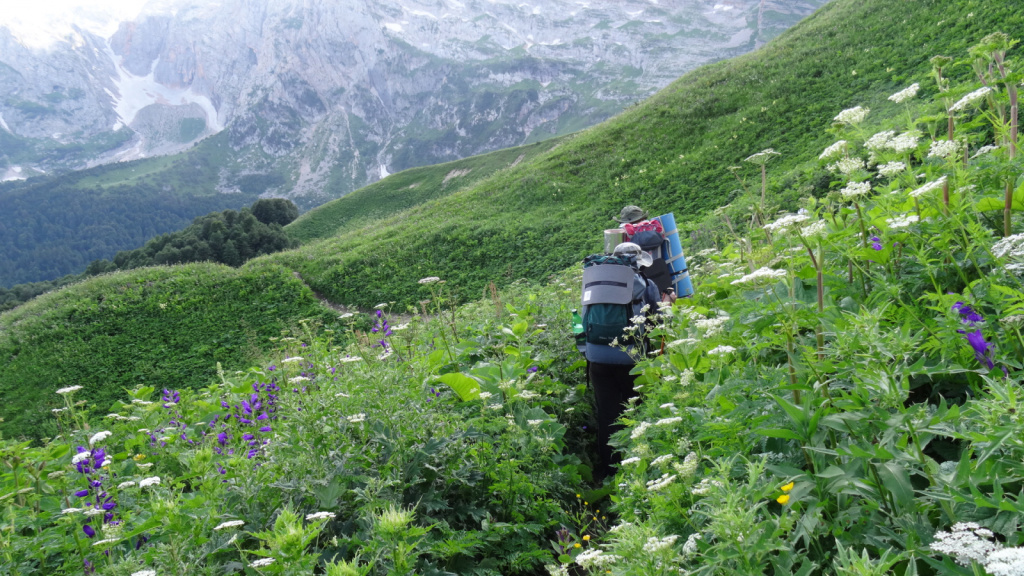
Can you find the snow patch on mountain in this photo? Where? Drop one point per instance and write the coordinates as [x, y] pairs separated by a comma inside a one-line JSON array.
[[133, 93], [4, 124]]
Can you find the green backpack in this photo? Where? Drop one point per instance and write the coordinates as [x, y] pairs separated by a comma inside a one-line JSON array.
[[607, 299]]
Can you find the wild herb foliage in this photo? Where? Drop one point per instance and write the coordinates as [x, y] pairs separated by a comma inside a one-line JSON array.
[[351, 459], [154, 326], [671, 153], [843, 396]]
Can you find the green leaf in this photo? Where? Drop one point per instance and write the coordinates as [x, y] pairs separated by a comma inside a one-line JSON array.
[[778, 433], [466, 387], [519, 328], [896, 479]]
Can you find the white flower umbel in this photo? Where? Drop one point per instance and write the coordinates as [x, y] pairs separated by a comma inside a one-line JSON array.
[[905, 94], [1006, 562], [854, 190], [151, 481], [905, 142], [689, 465], [628, 461], [292, 359], [761, 276], [320, 516], [659, 483], [664, 458], [261, 563], [705, 486], [966, 542], [298, 379], [690, 546], [100, 437], [930, 186], [68, 390], [813, 230], [229, 524], [669, 421], [785, 222], [902, 221], [852, 116], [80, 457], [1011, 247], [847, 166], [833, 150], [640, 429], [596, 558], [970, 99], [723, 349], [985, 150], [944, 149], [429, 280], [655, 544], [144, 573], [880, 141], [125, 485], [356, 418], [890, 169], [761, 157]]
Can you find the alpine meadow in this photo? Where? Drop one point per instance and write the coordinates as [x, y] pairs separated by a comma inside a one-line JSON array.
[[401, 393]]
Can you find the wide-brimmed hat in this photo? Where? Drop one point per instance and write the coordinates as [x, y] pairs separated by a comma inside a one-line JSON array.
[[630, 214], [635, 253]]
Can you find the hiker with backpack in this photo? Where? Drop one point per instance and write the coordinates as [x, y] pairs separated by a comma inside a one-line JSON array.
[[649, 234], [617, 299]]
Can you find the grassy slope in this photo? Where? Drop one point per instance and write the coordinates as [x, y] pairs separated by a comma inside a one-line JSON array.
[[406, 189], [671, 153], [163, 326]]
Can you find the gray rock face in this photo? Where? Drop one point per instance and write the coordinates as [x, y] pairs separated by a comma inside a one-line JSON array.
[[334, 95]]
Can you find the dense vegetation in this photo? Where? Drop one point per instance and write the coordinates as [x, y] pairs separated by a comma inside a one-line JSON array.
[[226, 237], [842, 396]]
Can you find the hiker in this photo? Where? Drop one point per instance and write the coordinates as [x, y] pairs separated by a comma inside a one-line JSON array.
[[614, 285], [649, 235]]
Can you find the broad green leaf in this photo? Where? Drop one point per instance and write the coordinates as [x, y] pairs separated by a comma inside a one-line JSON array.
[[466, 387], [897, 481], [778, 433]]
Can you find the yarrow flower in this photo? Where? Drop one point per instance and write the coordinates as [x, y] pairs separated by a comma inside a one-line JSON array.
[[429, 280], [356, 418], [930, 186], [659, 483], [880, 141], [833, 150], [847, 166], [905, 94], [723, 349], [261, 563], [292, 359], [966, 542], [814, 229], [630, 460], [320, 516], [786, 221], [852, 116], [944, 149], [151, 481], [68, 390], [970, 99], [985, 150], [100, 437], [655, 544], [855, 190], [761, 157], [1006, 562]]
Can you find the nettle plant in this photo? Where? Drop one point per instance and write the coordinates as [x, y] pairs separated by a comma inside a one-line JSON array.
[[355, 458], [843, 394]]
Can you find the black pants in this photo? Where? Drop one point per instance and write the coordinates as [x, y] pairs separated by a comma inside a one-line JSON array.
[[613, 386]]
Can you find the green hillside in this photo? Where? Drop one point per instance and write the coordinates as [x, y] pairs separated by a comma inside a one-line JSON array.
[[671, 153]]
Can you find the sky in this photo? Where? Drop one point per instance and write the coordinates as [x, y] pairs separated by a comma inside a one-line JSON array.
[[40, 23]]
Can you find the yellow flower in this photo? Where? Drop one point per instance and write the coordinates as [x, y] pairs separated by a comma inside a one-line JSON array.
[[586, 538], [138, 457], [783, 499], [585, 503], [577, 545], [787, 487], [577, 495]]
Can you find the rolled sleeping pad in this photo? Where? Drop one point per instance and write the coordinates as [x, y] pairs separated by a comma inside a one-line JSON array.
[[673, 253]]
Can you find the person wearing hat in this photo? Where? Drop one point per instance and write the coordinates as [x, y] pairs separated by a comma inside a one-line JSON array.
[[609, 366], [630, 215], [645, 231]]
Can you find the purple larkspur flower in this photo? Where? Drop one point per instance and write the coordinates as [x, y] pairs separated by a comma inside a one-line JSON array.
[[265, 429], [967, 314], [876, 242], [89, 531], [982, 349], [532, 369], [247, 436], [272, 367], [82, 493], [108, 506]]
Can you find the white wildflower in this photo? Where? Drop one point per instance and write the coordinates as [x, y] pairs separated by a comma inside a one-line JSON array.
[[905, 94], [880, 141], [320, 516], [655, 544], [902, 221], [100, 437], [659, 483], [847, 166], [786, 221], [970, 99], [933, 185], [400, 327], [852, 116], [690, 546], [944, 149], [58, 410], [985, 150], [534, 422], [705, 486], [761, 276], [891, 169], [261, 563], [356, 418], [145, 466], [141, 402], [1006, 562], [761, 157], [562, 570], [527, 395], [689, 465], [229, 524], [854, 190], [292, 359], [1012, 246], [640, 429], [350, 359], [70, 510], [106, 541], [596, 558], [681, 342], [124, 485], [346, 315], [429, 280], [94, 512], [668, 421], [814, 229], [68, 390], [628, 461], [381, 306], [298, 379], [723, 349], [144, 573], [904, 142], [485, 395], [833, 150], [662, 459], [966, 542], [667, 406], [80, 457], [151, 481]]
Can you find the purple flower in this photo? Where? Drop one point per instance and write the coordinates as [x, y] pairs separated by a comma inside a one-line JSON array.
[[272, 367], [967, 314], [532, 369], [876, 242], [379, 313], [982, 349], [82, 493], [88, 531], [265, 429], [247, 436], [108, 506]]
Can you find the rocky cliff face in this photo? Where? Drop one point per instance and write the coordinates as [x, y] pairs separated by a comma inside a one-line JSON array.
[[333, 95]]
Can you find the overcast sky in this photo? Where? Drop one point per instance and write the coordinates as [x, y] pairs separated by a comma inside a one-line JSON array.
[[38, 23]]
